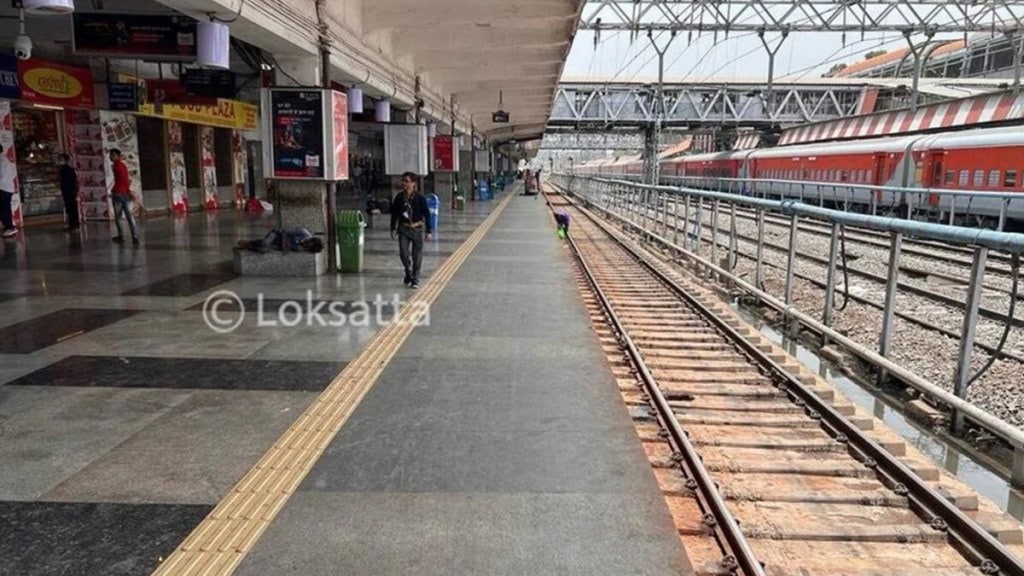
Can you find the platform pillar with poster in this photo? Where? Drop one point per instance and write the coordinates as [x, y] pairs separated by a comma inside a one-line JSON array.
[[444, 159], [305, 131]]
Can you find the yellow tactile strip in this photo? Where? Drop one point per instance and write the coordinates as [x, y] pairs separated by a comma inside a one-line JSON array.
[[219, 544]]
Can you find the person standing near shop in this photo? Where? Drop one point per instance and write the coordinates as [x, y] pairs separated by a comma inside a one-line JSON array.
[[69, 191], [410, 218], [121, 195], [8, 188]]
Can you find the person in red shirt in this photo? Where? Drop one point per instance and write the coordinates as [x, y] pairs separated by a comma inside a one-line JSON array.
[[121, 195]]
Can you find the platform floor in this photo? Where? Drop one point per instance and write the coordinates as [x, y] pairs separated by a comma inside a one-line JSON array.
[[496, 441]]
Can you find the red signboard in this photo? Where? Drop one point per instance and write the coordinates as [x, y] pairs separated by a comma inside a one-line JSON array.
[[340, 117], [55, 84], [444, 154]]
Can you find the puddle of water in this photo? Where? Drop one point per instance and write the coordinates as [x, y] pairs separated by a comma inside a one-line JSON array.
[[962, 464]]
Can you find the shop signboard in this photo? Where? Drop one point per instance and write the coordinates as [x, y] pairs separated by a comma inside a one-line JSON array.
[[55, 84], [153, 36], [445, 158], [231, 114], [10, 81], [307, 129]]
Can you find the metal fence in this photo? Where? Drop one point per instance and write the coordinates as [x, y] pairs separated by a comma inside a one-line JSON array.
[[678, 218]]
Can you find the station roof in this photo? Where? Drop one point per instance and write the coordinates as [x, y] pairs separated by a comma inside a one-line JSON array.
[[480, 51]]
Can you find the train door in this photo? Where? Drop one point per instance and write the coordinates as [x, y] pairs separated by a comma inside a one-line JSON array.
[[880, 174], [933, 169]]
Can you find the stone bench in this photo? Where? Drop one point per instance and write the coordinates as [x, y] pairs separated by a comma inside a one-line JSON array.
[[277, 263]]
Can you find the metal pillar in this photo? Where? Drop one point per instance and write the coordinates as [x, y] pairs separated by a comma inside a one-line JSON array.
[[330, 187], [885, 343], [714, 233], [770, 98], [652, 168], [963, 367], [919, 58], [1017, 42]]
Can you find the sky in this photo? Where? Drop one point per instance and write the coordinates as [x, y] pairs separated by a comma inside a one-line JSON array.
[[803, 54]]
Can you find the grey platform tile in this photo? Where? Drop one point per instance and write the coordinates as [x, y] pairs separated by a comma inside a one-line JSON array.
[[444, 426], [45, 331], [50, 434], [470, 534], [290, 306], [184, 373], [14, 366], [55, 539], [192, 454], [169, 334], [328, 344], [182, 285]]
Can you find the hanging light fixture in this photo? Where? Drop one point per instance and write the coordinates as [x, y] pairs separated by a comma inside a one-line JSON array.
[[214, 48], [355, 100], [382, 111], [48, 7]]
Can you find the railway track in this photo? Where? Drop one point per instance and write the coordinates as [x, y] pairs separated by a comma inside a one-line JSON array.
[[766, 469]]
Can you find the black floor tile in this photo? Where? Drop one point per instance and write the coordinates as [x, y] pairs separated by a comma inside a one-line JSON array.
[[72, 539], [182, 285], [45, 331], [184, 373]]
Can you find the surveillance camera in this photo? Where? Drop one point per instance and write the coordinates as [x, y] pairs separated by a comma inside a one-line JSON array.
[[23, 47]]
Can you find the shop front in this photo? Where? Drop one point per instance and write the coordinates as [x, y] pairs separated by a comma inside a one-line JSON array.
[[204, 147], [37, 97]]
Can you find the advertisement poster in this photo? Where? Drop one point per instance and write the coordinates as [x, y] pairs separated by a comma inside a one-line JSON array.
[[340, 135], [10, 80], [240, 165], [120, 131], [208, 155], [176, 168], [444, 154], [85, 145], [297, 121], [7, 141], [134, 35]]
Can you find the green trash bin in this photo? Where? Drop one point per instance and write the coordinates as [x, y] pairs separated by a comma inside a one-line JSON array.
[[350, 240]]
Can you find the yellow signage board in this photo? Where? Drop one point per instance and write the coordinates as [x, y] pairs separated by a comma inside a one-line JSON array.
[[225, 114]]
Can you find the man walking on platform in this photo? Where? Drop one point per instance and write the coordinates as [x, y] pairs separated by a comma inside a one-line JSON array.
[[410, 218], [69, 191], [121, 195]]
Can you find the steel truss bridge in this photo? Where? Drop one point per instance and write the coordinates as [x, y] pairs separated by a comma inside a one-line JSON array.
[[785, 16]]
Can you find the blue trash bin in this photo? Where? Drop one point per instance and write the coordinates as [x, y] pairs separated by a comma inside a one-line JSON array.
[[484, 190], [434, 208]]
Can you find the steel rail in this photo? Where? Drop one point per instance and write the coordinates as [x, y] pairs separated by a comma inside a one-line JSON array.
[[725, 524], [971, 539]]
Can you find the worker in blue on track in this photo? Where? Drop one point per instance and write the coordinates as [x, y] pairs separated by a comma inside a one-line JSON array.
[[562, 218]]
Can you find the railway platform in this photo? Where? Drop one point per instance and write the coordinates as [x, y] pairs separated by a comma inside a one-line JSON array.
[[489, 437]]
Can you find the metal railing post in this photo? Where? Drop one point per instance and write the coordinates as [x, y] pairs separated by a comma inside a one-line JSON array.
[[759, 266], [830, 281], [963, 367], [714, 234], [791, 261], [885, 343]]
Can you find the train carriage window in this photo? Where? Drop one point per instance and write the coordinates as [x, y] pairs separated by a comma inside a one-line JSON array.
[[963, 178], [993, 178], [979, 178], [1010, 179], [950, 177]]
